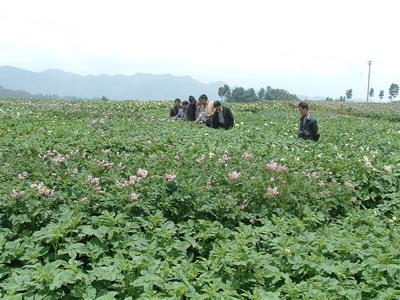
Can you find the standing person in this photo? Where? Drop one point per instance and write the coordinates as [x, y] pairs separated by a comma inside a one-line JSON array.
[[223, 117], [191, 112], [308, 128], [174, 111], [206, 110], [182, 114]]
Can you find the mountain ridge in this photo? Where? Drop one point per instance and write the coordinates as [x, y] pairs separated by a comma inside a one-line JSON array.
[[138, 86]]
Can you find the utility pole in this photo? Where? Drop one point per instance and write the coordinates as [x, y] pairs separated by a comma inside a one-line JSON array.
[[369, 76]]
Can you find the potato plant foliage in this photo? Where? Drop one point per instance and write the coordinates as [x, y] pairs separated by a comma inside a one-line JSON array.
[[115, 201]]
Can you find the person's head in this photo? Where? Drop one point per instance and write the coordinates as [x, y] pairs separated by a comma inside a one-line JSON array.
[[185, 104], [303, 109], [203, 99], [177, 102], [217, 105], [192, 100]]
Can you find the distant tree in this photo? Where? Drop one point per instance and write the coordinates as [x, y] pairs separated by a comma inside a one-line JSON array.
[[279, 94], [349, 94], [238, 94], [342, 98], [250, 95], [381, 94], [104, 98], [328, 99], [393, 91], [224, 92], [371, 92], [261, 94]]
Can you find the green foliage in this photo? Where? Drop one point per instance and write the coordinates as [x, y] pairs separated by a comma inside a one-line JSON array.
[[93, 231]]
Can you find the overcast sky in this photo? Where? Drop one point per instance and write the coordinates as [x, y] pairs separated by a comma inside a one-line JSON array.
[[310, 47]]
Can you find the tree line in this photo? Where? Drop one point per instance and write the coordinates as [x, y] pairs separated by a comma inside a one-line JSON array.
[[240, 94]]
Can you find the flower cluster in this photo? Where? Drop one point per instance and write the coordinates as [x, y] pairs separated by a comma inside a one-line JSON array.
[[42, 190], [22, 175], [247, 155], [171, 177], [272, 192], [104, 164], [275, 167], [16, 194], [234, 176]]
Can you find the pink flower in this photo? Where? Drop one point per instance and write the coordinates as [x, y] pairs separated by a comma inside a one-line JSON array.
[[312, 175], [272, 166], [42, 190], [133, 197], [209, 184], [387, 169], [225, 157], [234, 176], [247, 155], [321, 184], [142, 173], [275, 167], [200, 160], [244, 205], [22, 175], [367, 162], [349, 185], [132, 180], [105, 151], [104, 164], [170, 177], [16, 195], [272, 192], [93, 180]]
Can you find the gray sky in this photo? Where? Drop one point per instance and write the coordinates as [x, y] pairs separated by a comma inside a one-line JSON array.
[[310, 47]]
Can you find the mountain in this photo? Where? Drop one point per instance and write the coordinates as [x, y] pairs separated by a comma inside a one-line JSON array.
[[140, 86]]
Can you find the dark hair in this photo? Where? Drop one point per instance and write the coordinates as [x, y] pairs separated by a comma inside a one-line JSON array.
[[191, 99], [217, 103], [303, 105], [185, 102], [177, 100], [204, 96]]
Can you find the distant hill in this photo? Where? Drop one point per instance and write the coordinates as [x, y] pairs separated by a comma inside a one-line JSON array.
[[10, 94], [139, 86]]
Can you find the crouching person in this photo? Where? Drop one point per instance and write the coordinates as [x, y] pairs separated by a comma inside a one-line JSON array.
[[222, 117], [182, 113], [308, 128]]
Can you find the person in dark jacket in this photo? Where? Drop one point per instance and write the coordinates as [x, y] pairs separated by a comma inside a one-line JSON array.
[[308, 128], [222, 117], [175, 110], [182, 114], [191, 112]]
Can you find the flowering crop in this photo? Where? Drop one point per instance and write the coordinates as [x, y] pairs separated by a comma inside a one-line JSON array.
[[115, 201]]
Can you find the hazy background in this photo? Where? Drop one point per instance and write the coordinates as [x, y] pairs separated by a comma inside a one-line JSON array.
[[310, 47]]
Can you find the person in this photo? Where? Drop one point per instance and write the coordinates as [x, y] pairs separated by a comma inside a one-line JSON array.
[[206, 111], [308, 128], [174, 111], [182, 114], [223, 117], [191, 112]]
